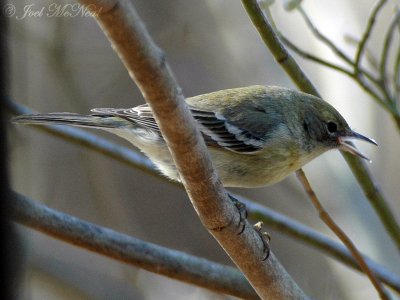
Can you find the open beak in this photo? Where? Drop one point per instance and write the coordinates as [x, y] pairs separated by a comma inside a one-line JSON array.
[[346, 144]]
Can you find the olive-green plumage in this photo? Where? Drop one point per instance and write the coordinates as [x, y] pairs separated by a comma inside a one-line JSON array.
[[256, 135]]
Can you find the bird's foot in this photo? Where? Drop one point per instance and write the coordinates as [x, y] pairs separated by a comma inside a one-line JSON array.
[[242, 212], [265, 238]]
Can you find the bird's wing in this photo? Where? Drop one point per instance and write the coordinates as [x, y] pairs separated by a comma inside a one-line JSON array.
[[243, 120], [216, 130], [225, 134]]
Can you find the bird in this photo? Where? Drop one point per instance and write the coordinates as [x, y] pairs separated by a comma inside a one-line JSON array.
[[256, 135]]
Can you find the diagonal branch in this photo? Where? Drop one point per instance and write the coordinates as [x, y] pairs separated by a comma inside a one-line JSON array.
[[326, 218], [147, 66], [278, 50], [151, 257], [376, 86], [385, 55], [323, 38], [316, 239], [336, 49], [359, 79], [314, 58]]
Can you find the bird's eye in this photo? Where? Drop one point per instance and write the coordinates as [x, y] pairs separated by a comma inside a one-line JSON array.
[[332, 127]]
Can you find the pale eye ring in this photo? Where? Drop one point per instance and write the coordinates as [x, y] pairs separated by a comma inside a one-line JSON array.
[[332, 127]]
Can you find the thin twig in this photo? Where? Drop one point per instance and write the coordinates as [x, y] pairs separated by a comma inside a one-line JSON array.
[[396, 77], [385, 56], [382, 95], [309, 56], [274, 219], [153, 258], [326, 218], [360, 71], [376, 198], [372, 60], [366, 35], [332, 46], [324, 38], [360, 80], [396, 72]]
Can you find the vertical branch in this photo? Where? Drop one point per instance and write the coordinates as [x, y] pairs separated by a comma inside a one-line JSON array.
[[366, 35], [385, 56], [396, 77], [147, 66]]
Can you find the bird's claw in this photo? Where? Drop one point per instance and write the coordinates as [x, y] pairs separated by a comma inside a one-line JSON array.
[[265, 238], [242, 212]]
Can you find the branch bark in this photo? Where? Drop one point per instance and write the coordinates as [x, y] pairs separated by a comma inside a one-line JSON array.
[[151, 257], [147, 66]]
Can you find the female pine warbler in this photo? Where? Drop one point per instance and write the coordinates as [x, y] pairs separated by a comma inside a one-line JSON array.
[[256, 135]]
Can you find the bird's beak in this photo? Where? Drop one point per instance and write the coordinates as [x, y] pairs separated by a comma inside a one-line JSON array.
[[347, 145]]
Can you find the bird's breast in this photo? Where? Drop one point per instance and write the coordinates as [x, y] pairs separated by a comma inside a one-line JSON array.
[[254, 170]]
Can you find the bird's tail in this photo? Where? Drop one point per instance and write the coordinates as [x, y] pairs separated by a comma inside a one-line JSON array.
[[73, 119]]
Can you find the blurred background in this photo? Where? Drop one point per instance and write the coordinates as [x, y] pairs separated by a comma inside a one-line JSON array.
[[67, 64]]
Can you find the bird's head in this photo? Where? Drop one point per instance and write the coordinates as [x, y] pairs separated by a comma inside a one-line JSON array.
[[325, 127]]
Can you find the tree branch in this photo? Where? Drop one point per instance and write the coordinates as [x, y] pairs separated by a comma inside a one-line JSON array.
[[171, 263], [147, 66]]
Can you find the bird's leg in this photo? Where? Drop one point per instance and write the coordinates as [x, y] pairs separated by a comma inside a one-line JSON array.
[[242, 211], [265, 238]]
